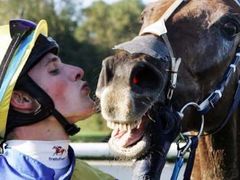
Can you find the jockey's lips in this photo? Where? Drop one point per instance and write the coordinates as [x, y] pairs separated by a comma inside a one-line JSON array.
[[85, 89]]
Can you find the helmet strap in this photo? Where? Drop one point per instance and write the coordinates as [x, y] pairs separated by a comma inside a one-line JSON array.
[[47, 108], [70, 129]]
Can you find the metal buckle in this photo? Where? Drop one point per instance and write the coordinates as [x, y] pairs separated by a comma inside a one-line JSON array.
[[183, 149], [198, 107]]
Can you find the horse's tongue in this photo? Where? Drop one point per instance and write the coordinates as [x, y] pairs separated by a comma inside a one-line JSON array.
[[127, 138]]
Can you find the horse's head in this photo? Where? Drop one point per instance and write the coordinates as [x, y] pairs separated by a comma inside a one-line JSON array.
[[134, 83]]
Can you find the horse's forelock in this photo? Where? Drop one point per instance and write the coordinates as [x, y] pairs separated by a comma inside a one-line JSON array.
[[122, 55], [212, 11]]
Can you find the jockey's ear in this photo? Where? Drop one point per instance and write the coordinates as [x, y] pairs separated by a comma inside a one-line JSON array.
[[23, 102]]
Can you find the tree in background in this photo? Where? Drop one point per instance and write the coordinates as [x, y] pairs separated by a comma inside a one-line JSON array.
[[105, 25]]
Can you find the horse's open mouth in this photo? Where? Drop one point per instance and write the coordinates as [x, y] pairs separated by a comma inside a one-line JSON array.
[[129, 140]]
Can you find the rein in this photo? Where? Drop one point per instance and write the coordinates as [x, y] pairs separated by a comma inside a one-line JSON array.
[[210, 102]]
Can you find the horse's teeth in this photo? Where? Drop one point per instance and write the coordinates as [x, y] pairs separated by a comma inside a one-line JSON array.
[[115, 125], [112, 125], [109, 124], [139, 123], [128, 127], [121, 126], [133, 125]]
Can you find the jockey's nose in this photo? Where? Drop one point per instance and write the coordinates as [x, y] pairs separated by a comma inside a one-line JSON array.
[[79, 74], [76, 73]]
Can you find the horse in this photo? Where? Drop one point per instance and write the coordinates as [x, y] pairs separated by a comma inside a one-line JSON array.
[[133, 85]]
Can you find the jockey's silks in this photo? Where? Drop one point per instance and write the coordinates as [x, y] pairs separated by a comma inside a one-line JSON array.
[[18, 166], [53, 154], [15, 165]]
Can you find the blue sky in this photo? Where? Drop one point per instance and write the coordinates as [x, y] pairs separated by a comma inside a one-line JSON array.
[[88, 2]]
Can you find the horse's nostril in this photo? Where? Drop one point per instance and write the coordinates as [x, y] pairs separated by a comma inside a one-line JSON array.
[[144, 78]]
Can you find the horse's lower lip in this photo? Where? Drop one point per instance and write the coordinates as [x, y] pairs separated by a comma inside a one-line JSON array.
[[125, 138], [133, 151]]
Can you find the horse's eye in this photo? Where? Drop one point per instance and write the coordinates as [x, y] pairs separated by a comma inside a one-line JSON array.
[[144, 78], [230, 29], [135, 80]]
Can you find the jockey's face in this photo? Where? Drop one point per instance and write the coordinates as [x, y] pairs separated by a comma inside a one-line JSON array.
[[64, 84]]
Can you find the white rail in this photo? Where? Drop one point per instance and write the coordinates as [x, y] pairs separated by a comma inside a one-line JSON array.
[[102, 150]]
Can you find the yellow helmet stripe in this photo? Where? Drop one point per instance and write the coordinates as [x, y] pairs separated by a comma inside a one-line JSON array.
[[17, 63]]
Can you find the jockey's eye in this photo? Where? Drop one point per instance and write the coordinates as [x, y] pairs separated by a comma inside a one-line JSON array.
[[230, 28]]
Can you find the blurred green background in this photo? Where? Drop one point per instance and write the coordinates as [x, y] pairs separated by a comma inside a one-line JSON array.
[[93, 129], [86, 35]]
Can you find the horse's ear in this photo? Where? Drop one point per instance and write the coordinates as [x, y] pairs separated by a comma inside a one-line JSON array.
[[105, 75]]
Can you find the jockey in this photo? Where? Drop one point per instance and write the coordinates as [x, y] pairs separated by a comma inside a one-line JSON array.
[[40, 100]]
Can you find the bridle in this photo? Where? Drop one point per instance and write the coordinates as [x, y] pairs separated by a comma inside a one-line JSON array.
[[238, 2], [158, 28]]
